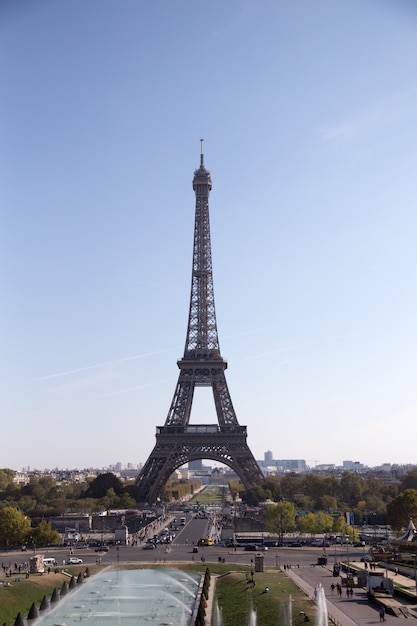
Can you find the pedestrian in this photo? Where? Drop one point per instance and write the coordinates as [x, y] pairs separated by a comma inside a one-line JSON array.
[[382, 614]]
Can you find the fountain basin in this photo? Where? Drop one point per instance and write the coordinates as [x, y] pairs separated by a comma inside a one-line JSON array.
[[129, 598]]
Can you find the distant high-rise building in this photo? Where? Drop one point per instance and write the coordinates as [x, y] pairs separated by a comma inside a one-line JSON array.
[[195, 465], [268, 456], [352, 466]]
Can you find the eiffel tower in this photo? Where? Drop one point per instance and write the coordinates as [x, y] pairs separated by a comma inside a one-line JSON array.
[[178, 442]]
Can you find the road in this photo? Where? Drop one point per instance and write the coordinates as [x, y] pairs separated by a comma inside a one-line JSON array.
[[181, 549]]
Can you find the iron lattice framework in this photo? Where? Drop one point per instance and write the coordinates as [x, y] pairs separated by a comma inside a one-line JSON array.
[[178, 442]]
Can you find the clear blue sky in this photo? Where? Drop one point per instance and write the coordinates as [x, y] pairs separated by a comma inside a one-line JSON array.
[[309, 115]]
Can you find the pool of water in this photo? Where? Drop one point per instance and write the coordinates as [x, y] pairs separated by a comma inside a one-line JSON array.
[[128, 598]]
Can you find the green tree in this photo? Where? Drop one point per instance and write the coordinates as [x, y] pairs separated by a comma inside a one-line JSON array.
[[341, 527], [99, 486], [291, 484], [254, 495], [409, 480], [273, 485], [14, 527], [6, 478], [43, 535], [280, 518], [401, 508], [328, 503], [324, 522], [314, 523], [351, 488], [307, 524]]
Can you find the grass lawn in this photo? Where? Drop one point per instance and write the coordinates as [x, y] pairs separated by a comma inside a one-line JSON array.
[[20, 596], [236, 598], [210, 495]]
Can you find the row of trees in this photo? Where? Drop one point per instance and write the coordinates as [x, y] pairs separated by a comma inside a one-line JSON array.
[[283, 518], [42, 496], [16, 529], [371, 500]]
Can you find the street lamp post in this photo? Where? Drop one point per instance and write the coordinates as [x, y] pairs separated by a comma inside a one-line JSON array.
[[415, 571]]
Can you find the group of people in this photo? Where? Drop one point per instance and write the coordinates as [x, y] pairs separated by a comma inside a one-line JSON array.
[[338, 587]]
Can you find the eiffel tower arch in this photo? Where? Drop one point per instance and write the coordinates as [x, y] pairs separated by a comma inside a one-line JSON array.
[[178, 441]]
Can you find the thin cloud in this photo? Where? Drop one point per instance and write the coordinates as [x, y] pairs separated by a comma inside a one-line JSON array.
[[99, 365], [87, 368]]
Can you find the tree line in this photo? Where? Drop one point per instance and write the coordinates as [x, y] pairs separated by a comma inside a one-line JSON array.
[[369, 499], [24, 509]]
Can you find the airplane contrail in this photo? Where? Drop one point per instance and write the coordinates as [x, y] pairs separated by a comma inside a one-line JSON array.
[[98, 365]]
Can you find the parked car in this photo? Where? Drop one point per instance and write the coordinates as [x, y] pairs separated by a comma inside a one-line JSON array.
[[74, 561], [149, 546], [102, 549]]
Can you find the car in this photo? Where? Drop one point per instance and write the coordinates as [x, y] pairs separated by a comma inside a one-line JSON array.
[[149, 546], [102, 549], [368, 558], [195, 550], [74, 561]]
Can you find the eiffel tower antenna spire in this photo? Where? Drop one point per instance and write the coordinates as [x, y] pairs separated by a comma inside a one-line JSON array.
[[178, 442]]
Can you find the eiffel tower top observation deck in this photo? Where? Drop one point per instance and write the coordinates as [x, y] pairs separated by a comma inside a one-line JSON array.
[[178, 442]]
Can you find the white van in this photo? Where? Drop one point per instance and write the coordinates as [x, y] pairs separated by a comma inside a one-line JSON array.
[[49, 562]]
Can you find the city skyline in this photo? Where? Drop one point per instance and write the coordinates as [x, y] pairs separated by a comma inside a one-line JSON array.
[[308, 113], [345, 465]]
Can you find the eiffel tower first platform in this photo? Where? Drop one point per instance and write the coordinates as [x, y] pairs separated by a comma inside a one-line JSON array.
[[178, 442]]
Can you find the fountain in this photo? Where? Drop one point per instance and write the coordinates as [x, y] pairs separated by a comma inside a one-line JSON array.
[[217, 615], [289, 617], [322, 618], [129, 597], [251, 614]]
